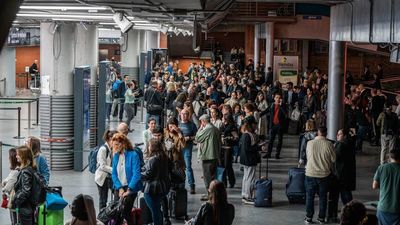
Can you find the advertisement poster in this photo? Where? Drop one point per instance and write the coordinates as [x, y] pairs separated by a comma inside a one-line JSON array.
[[286, 69]]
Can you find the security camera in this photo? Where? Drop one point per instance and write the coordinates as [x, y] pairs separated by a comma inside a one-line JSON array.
[[197, 50]]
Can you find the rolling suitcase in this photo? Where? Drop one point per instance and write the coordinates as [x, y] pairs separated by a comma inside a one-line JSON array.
[[295, 187], [177, 199], [263, 190]]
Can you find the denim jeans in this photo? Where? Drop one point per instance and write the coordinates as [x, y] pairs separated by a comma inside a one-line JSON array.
[[361, 132], [275, 130], [156, 117], [314, 185], [108, 110], [333, 201], [187, 155], [386, 218], [121, 109], [154, 204]]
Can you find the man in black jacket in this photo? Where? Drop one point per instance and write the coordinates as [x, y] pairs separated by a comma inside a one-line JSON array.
[[276, 125], [154, 103]]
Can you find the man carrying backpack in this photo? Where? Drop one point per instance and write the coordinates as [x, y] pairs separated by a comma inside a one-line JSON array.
[[388, 122]]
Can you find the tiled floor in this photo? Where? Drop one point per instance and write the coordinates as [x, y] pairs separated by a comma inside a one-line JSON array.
[[282, 213]]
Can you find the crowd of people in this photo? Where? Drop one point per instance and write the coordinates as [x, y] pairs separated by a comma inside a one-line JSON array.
[[225, 112]]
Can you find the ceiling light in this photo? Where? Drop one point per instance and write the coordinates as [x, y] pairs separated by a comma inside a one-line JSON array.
[[43, 7], [98, 17]]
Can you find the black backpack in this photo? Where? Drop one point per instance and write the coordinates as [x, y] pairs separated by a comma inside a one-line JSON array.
[[38, 188]]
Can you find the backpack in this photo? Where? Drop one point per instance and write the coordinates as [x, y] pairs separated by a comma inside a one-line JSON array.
[[92, 158], [38, 188], [140, 153]]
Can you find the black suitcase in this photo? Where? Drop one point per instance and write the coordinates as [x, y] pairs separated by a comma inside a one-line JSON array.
[[263, 190], [178, 203], [146, 213], [295, 187]]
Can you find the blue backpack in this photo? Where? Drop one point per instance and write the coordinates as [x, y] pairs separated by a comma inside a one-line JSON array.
[[140, 153], [92, 158]]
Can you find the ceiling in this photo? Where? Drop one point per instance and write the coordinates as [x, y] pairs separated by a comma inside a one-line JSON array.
[[145, 14]]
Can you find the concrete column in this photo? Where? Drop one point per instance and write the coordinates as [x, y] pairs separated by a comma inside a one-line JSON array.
[[335, 104], [269, 45], [304, 55], [256, 44], [130, 50], [153, 39], [57, 58], [87, 48], [7, 71], [143, 41]]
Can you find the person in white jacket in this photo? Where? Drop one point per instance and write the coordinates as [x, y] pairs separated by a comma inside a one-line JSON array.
[[8, 183], [102, 176]]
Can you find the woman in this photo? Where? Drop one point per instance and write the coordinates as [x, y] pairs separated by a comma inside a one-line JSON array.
[[309, 104], [40, 160], [249, 157], [216, 211], [109, 100], [24, 186], [230, 137], [8, 183], [262, 105], [102, 176], [170, 103], [354, 213], [155, 179], [129, 104], [83, 212], [174, 143], [192, 116], [309, 134], [215, 120], [126, 167], [345, 180]]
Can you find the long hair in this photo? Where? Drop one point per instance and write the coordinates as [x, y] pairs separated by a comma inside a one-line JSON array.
[[123, 140], [34, 145], [83, 209], [156, 148], [218, 199], [108, 134], [12, 158], [353, 213], [26, 156]]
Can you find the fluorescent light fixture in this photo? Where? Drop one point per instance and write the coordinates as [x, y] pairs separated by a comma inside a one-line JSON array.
[[44, 7], [122, 21], [95, 17]]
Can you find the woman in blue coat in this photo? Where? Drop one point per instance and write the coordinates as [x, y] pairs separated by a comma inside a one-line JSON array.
[[42, 167], [126, 175]]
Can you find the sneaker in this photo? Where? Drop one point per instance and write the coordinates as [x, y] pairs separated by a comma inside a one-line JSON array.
[[248, 201], [321, 221], [204, 197], [308, 221]]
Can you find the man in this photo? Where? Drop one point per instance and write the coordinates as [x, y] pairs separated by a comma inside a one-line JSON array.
[[123, 128], [269, 76], [320, 158], [122, 87], [388, 122], [289, 96], [276, 125], [189, 130], [33, 69], [387, 180], [208, 138], [377, 105], [149, 133], [234, 86], [154, 102]]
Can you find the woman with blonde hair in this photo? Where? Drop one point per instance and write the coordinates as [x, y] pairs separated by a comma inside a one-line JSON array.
[[83, 212], [126, 168], [43, 168], [309, 134], [24, 186]]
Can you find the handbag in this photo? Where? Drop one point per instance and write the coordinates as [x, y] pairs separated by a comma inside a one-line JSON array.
[[4, 203], [220, 173], [153, 107], [54, 201]]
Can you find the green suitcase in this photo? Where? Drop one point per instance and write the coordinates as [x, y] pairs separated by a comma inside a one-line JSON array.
[[50, 217]]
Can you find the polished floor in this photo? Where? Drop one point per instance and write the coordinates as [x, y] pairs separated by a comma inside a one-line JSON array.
[[282, 213]]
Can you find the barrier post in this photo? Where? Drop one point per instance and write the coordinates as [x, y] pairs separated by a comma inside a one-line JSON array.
[[37, 113], [29, 115], [141, 110], [19, 124]]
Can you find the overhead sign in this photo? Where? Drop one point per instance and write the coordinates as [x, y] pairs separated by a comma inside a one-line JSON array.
[[286, 68]]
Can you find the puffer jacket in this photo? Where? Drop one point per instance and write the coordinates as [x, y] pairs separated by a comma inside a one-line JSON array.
[[155, 176]]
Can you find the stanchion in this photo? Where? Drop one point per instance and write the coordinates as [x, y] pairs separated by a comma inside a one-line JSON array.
[[29, 116], [37, 113], [19, 124], [141, 110]]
